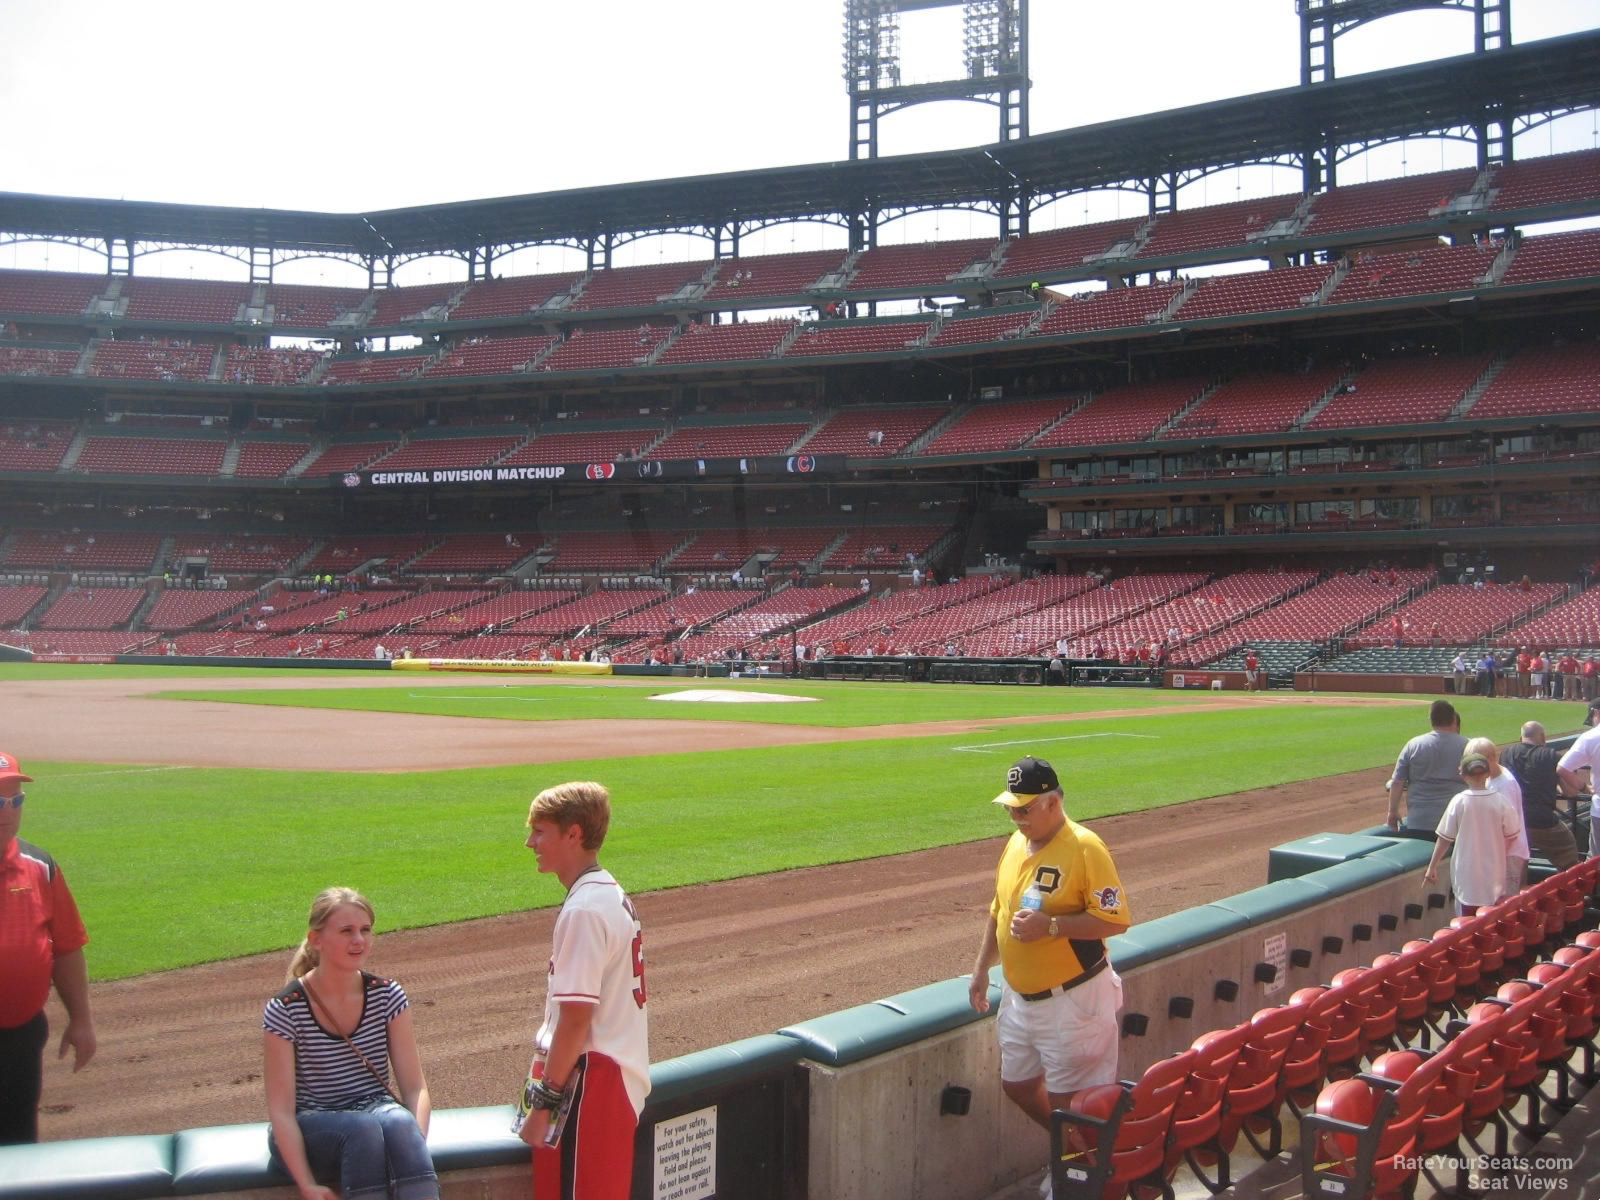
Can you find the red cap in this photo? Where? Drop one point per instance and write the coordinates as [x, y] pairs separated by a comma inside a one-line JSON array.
[[11, 769]]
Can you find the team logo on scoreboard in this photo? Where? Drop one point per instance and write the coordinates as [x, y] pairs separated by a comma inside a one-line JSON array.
[[351, 479], [802, 464], [600, 470]]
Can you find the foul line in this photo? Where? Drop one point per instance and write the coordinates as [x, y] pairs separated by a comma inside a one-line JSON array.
[[986, 747], [126, 771], [494, 699]]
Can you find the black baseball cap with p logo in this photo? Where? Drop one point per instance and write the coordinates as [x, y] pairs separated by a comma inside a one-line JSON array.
[[1026, 781]]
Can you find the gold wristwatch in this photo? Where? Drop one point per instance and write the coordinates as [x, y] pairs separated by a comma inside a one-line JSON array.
[[1054, 927]]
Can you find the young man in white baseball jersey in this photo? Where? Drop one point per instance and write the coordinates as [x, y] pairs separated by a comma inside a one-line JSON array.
[[595, 1023]]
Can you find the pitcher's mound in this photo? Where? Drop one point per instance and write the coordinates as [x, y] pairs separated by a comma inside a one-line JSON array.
[[728, 696]]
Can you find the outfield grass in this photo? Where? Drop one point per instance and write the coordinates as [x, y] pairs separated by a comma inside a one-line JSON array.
[[174, 866]]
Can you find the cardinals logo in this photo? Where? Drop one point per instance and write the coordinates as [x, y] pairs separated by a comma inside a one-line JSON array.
[[600, 470], [1109, 899]]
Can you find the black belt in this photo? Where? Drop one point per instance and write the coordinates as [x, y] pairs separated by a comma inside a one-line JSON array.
[[1069, 984]]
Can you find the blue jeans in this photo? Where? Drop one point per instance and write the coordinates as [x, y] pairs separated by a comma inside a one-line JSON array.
[[377, 1151]]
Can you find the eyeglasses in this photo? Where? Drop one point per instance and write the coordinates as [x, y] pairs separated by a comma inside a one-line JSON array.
[[1021, 811], [14, 801]]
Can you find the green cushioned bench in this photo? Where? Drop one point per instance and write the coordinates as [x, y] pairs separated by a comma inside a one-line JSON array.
[[719, 1066], [841, 1038], [109, 1168], [1172, 934], [1269, 904], [1307, 854]]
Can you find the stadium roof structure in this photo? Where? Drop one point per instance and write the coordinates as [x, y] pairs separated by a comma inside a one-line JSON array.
[[1514, 86]]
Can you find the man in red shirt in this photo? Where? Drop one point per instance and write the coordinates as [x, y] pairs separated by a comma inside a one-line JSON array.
[[41, 943]]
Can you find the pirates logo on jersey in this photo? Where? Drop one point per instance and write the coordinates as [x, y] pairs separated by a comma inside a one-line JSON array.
[[1047, 879], [1109, 899]]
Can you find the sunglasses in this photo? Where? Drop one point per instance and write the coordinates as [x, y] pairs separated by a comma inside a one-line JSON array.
[[14, 801], [1021, 811]]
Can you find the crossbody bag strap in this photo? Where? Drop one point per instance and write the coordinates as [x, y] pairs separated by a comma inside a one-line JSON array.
[[365, 1061]]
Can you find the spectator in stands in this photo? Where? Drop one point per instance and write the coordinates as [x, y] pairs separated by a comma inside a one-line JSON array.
[[1481, 827], [41, 945], [1057, 898], [1427, 774], [1252, 669], [1534, 765], [332, 1112]]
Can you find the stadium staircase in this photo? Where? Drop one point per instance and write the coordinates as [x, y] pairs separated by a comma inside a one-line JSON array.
[[230, 458], [1329, 285], [1322, 401], [1479, 386], [1172, 422], [81, 367], [1190, 286], [1502, 261], [143, 610], [920, 443]]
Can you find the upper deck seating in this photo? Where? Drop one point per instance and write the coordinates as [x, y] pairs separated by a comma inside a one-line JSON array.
[[591, 349], [883, 547], [48, 293], [877, 337], [1114, 308], [513, 295], [107, 454], [1547, 379], [1340, 603], [90, 550], [1058, 252], [34, 445], [476, 553], [999, 425], [726, 343], [153, 359], [491, 356], [637, 287], [1204, 610], [967, 331], [924, 266], [268, 460], [261, 364], [1416, 272], [591, 446], [1253, 292], [730, 441], [18, 601], [724, 549], [209, 301], [632, 552], [1544, 182], [1403, 392], [179, 609], [23, 359], [426, 302], [441, 453], [588, 610], [341, 555], [242, 554], [1556, 256], [1127, 414], [338, 457], [1575, 623], [1239, 223], [306, 306], [1386, 203], [763, 276], [1076, 605], [374, 368], [92, 608], [1256, 404], [849, 431], [1460, 612]]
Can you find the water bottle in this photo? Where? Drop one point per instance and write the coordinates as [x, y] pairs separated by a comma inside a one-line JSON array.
[[1033, 898]]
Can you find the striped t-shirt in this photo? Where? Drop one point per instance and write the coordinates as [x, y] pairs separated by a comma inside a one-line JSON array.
[[327, 1074]]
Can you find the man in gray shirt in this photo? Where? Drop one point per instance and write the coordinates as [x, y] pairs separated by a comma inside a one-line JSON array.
[[1427, 774]]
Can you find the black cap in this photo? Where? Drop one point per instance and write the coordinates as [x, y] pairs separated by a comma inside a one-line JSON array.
[[1026, 781]]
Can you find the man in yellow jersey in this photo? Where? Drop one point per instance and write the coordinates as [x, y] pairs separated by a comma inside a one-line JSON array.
[[1057, 898]]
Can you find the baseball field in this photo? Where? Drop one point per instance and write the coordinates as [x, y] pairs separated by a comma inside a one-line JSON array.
[[796, 848]]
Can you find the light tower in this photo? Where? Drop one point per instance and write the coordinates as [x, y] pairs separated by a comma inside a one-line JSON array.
[[994, 49]]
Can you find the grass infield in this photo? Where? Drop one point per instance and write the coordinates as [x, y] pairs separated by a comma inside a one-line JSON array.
[[174, 866]]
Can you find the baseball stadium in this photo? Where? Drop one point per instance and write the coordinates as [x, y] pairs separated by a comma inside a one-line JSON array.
[[308, 584]]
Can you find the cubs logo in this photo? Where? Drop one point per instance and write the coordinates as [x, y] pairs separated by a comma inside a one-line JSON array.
[[1109, 899]]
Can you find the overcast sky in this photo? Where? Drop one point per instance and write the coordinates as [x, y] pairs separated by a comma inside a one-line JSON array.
[[348, 105]]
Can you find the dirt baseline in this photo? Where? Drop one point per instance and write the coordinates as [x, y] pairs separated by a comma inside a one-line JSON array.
[[727, 960]]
